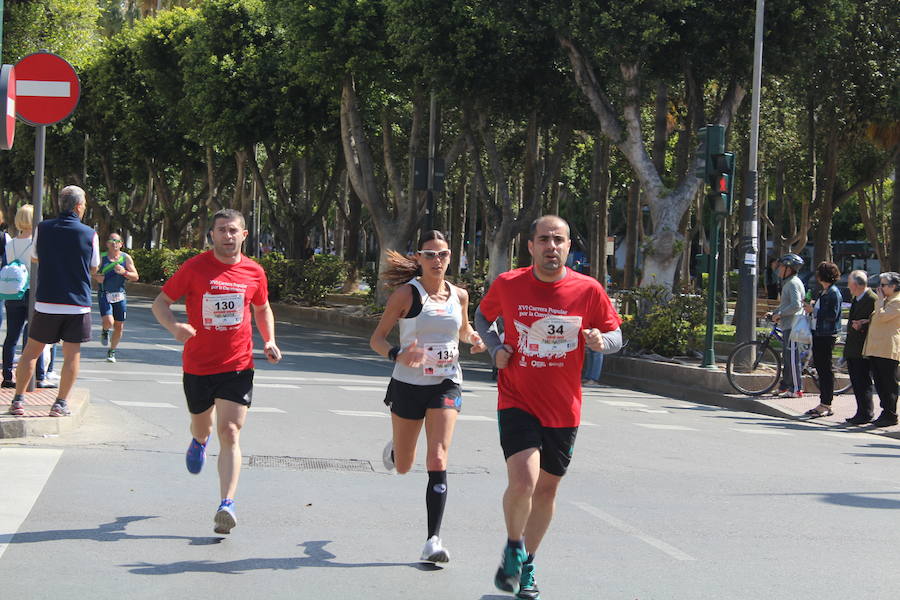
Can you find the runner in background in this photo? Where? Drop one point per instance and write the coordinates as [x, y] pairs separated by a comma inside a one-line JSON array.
[[116, 267], [425, 385]]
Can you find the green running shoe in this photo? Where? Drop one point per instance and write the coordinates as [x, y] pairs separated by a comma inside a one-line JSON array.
[[528, 589], [510, 569]]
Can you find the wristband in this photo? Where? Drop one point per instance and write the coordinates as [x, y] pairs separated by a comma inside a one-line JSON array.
[[393, 352]]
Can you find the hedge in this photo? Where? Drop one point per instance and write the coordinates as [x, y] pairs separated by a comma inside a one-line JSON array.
[[290, 280]]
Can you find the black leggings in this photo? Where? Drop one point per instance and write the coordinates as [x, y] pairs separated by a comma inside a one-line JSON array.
[[821, 349]]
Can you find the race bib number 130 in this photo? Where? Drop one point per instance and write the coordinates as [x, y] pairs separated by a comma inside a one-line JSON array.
[[223, 310]]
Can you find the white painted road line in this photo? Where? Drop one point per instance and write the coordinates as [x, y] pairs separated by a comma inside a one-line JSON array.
[[276, 385], [113, 370], [760, 431], [164, 347], [265, 409], [669, 427], [94, 379], [168, 382], [475, 418], [359, 413], [361, 388], [634, 531], [654, 410], [143, 404], [24, 472], [850, 436], [622, 403]]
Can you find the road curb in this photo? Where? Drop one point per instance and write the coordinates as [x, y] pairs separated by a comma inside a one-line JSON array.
[[36, 426]]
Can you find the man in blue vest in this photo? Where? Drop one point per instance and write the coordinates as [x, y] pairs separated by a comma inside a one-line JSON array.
[[116, 268], [68, 254]]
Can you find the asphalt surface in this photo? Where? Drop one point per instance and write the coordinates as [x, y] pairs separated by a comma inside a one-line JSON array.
[[665, 499]]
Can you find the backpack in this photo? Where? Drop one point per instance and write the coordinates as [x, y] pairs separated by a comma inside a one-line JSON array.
[[14, 279]]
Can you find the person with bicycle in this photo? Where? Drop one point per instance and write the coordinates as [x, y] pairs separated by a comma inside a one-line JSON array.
[[826, 324], [789, 310]]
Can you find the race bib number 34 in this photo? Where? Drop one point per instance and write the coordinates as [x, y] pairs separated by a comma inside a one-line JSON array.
[[554, 335], [440, 359], [223, 310]]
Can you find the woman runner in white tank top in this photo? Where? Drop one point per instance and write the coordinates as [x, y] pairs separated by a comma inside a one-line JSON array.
[[425, 386]]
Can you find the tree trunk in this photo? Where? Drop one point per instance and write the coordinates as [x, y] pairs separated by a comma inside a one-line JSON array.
[[825, 209], [894, 250], [666, 207], [600, 188], [633, 213], [458, 225], [661, 126]]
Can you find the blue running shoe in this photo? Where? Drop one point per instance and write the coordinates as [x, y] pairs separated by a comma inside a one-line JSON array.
[[528, 589], [225, 517], [510, 569], [196, 456]]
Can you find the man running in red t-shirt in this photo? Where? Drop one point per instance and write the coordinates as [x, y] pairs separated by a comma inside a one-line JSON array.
[[219, 286], [550, 313]]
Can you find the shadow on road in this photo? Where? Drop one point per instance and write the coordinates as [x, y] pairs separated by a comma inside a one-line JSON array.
[[316, 556], [107, 532]]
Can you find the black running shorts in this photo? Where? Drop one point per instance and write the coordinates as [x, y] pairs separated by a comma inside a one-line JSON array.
[[520, 430], [410, 401], [201, 391], [49, 328]]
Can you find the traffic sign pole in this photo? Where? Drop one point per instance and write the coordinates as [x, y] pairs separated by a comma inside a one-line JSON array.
[[47, 91], [40, 143]]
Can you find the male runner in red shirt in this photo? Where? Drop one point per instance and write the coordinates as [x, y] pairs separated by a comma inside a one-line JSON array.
[[550, 313], [219, 287]]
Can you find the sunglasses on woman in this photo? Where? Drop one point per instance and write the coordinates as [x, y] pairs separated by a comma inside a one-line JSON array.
[[432, 254]]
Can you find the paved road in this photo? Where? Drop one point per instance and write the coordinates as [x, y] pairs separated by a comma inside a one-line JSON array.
[[665, 499]]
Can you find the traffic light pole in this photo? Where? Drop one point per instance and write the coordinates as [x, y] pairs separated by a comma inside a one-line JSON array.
[[745, 320], [709, 354]]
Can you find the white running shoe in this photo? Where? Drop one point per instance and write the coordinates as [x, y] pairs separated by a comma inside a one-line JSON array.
[[434, 551], [387, 456]]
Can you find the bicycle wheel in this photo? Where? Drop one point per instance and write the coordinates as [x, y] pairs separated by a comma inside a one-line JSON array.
[[753, 368]]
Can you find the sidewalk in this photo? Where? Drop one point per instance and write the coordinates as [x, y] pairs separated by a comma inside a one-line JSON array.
[[37, 421], [710, 386]]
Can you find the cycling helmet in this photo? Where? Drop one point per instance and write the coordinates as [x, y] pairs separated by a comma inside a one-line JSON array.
[[791, 260]]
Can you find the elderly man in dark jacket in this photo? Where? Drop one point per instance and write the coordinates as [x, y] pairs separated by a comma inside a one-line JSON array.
[[861, 307]]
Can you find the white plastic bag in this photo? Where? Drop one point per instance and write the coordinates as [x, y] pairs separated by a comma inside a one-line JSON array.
[[801, 333]]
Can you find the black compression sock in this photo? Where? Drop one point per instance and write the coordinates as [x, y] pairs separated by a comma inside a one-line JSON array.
[[435, 500]]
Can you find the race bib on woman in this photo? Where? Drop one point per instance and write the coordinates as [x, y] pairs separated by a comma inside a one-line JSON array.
[[223, 310], [441, 359], [113, 297]]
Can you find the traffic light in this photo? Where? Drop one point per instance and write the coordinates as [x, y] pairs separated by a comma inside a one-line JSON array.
[[712, 144], [718, 167]]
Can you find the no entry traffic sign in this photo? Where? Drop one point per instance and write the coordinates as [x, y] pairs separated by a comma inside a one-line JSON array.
[[47, 89], [8, 98]]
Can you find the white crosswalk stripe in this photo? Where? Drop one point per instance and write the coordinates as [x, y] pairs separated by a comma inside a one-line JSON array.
[[24, 472], [664, 426], [135, 404], [759, 431]]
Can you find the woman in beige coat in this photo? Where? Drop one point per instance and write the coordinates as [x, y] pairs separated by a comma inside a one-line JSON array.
[[883, 346]]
